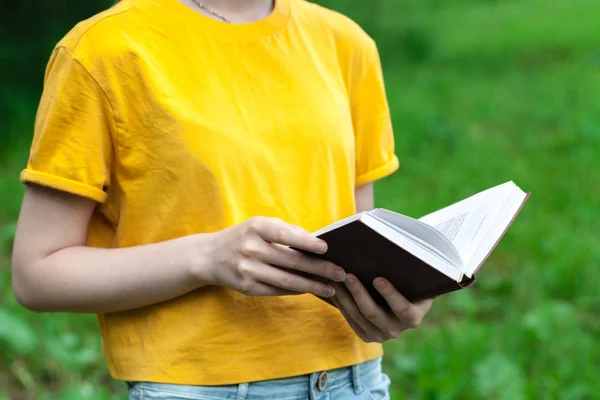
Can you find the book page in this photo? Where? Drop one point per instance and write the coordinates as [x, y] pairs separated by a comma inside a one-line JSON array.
[[403, 240], [507, 214], [467, 222], [421, 233]]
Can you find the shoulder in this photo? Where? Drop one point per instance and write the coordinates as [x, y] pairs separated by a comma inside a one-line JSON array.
[[102, 36], [344, 31]]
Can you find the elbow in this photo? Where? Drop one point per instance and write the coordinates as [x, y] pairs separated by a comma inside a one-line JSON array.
[[26, 299], [30, 304], [26, 293]]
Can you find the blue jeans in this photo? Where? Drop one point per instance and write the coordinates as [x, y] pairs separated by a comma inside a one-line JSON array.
[[364, 381]]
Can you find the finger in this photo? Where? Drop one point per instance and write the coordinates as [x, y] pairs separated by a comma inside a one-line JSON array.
[[352, 312], [276, 231], [424, 305], [390, 326], [403, 309], [263, 289], [355, 327], [291, 282], [290, 258]]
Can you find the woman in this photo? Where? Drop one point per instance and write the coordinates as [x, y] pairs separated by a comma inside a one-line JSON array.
[[178, 143]]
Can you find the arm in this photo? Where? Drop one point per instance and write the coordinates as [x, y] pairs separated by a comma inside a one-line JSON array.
[[364, 197], [53, 269], [375, 158]]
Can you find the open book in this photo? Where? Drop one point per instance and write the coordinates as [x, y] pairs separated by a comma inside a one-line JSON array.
[[426, 257]]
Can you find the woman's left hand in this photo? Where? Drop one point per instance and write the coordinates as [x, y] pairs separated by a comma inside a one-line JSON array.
[[370, 322]]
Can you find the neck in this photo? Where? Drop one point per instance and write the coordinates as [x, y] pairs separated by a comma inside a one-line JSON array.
[[236, 11]]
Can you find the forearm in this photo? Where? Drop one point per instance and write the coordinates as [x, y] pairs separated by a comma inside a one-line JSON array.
[[85, 279], [53, 270]]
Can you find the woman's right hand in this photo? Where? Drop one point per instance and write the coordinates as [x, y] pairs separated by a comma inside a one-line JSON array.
[[253, 258]]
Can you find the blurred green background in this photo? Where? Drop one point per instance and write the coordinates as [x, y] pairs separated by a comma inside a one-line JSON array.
[[481, 91]]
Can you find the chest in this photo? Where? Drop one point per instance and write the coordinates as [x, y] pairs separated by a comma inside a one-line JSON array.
[[236, 106]]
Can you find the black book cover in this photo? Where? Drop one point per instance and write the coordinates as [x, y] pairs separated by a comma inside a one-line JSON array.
[[366, 254]]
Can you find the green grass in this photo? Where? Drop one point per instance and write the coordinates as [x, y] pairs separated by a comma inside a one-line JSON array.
[[495, 91]]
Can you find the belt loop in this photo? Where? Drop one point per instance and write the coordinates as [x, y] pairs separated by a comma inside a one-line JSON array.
[[358, 387], [242, 391]]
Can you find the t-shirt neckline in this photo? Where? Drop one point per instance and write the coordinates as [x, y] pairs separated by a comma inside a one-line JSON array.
[[263, 27]]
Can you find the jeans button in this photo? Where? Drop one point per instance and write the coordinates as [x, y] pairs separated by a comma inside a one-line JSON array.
[[322, 381]]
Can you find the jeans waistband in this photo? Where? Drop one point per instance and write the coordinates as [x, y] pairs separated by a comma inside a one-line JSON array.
[[310, 386]]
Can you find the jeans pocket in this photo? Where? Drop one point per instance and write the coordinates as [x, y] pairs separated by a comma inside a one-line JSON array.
[[378, 389]]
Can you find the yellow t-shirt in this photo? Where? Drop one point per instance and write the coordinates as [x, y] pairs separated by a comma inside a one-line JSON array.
[[178, 124]]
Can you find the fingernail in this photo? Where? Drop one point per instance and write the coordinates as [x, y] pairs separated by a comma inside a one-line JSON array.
[[328, 291], [350, 279], [339, 275], [379, 283], [322, 247]]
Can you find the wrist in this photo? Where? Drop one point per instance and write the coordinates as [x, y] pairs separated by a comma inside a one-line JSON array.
[[202, 265]]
